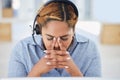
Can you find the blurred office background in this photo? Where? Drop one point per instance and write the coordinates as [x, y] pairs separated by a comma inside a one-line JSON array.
[[99, 20]]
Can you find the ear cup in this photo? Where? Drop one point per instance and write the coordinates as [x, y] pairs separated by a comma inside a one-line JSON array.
[[37, 29]]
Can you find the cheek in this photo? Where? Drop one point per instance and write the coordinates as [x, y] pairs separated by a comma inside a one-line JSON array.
[[67, 43], [47, 43]]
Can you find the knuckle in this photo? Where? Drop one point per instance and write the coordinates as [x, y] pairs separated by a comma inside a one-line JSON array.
[[54, 63]]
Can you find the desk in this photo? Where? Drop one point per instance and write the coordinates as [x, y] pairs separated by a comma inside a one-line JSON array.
[[60, 78]]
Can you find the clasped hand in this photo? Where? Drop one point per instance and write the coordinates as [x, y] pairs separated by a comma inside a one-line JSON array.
[[55, 59]]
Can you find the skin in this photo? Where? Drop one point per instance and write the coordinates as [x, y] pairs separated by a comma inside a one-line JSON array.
[[57, 37]]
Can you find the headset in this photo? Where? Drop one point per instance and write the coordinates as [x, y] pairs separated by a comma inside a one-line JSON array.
[[37, 27]]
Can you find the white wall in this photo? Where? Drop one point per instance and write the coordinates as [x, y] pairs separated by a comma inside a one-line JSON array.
[[0, 9], [106, 10], [27, 9], [81, 8]]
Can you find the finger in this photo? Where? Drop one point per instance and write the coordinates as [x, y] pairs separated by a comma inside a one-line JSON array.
[[63, 58], [46, 52], [62, 53], [53, 43], [51, 53], [47, 57], [61, 66], [60, 44], [51, 66], [51, 63], [63, 63]]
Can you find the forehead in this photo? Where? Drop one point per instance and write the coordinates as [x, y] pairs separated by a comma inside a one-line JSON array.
[[57, 25], [56, 28]]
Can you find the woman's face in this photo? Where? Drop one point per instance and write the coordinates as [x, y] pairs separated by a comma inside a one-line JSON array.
[[57, 29]]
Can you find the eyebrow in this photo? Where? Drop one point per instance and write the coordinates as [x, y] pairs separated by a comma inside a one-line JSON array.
[[60, 36]]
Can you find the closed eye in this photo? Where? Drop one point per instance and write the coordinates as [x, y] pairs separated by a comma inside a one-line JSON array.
[[64, 38], [50, 38]]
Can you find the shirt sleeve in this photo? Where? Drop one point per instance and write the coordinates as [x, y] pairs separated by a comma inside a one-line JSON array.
[[16, 63], [94, 68]]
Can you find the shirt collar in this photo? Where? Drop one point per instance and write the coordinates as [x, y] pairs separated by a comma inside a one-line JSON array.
[[37, 41], [76, 40], [80, 38]]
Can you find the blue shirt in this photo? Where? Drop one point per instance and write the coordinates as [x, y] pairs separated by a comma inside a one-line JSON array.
[[26, 54]]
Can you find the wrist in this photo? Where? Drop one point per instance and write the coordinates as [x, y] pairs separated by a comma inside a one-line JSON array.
[[34, 73], [77, 74]]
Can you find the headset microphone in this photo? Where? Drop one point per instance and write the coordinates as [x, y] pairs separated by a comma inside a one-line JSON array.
[[36, 31]]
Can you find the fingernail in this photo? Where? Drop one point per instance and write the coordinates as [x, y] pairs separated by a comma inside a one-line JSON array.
[[46, 56], [67, 52], [54, 38], [68, 58], [66, 67], [48, 63], [45, 51]]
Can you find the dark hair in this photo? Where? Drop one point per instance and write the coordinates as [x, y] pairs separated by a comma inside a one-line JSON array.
[[60, 11]]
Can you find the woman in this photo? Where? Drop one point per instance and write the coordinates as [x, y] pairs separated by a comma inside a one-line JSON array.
[[57, 50]]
